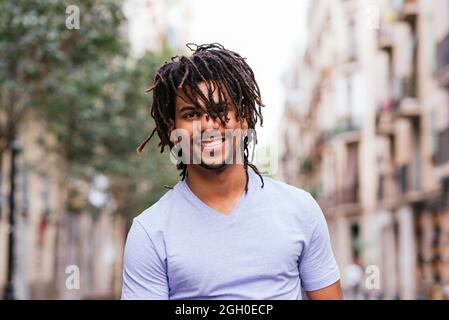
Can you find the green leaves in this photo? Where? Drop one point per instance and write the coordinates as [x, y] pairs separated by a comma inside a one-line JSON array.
[[87, 90]]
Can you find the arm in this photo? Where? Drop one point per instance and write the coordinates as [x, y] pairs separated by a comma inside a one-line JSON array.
[[332, 292], [144, 272], [319, 273]]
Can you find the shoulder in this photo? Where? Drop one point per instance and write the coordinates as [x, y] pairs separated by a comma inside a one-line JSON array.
[[158, 214], [286, 192], [291, 199]]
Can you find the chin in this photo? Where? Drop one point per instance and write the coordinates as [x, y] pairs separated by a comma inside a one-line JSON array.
[[213, 166]]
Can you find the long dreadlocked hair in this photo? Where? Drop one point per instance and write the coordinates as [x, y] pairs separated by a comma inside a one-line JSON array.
[[211, 64]]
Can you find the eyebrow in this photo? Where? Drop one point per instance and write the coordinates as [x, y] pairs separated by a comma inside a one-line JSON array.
[[194, 108], [189, 108]]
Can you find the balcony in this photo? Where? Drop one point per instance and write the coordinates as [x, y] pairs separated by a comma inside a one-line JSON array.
[[343, 201], [404, 103], [402, 178], [347, 130], [442, 155], [409, 108], [406, 8], [381, 187], [408, 183], [408, 86], [387, 191], [385, 36], [385, 118], [408, 105], [348, 191], [349, 195], [443, 62]]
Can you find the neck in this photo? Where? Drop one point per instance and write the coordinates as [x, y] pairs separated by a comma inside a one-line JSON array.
[[213, 185]]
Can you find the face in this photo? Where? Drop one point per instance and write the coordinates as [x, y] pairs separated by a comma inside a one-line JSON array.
[[213, 145]]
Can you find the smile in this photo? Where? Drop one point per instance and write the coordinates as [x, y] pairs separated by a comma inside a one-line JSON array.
[[212, 144]]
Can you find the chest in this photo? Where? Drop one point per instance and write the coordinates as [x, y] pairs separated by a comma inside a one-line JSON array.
[[262, 247]]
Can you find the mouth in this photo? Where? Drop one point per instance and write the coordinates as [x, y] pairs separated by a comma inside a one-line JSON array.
[[213, 144]]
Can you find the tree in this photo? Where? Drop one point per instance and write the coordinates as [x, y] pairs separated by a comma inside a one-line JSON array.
[[86, 89], [38, 51], [100, 132]]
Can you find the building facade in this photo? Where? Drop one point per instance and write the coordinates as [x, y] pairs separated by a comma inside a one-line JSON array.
[[365, 130], [59, 252]]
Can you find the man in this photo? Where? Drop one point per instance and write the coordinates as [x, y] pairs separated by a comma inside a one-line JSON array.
[[223, 231]]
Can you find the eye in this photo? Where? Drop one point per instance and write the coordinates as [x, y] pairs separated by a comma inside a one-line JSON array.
[[191, 114]]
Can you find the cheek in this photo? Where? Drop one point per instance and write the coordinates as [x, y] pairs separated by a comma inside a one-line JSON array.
[[183, 129], [186, 126]]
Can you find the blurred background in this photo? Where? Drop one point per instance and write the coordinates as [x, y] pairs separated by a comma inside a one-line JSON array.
[[357, 113]]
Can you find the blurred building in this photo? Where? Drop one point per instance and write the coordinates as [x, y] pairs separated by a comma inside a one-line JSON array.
[[69, 243], [38, 198], [50, 235], [366, 131]]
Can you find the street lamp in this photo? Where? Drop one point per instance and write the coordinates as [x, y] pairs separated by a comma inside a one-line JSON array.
[[9, 287]]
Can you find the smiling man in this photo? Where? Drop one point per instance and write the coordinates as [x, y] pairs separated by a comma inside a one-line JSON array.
[[223, 231]]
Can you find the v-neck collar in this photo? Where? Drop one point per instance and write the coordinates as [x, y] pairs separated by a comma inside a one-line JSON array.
[[203, 207]]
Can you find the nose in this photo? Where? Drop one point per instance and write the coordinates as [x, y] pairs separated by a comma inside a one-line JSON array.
[[207, 122]]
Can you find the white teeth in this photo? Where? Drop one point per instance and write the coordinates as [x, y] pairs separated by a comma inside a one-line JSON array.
[[212, 143]]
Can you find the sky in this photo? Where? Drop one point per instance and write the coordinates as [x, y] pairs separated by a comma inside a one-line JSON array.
[[268, 33]]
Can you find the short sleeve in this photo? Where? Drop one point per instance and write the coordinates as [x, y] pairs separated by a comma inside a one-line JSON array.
[[144, 272], [317, 266]]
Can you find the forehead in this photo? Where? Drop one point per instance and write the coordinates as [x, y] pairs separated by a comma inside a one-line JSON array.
[[182, 99]]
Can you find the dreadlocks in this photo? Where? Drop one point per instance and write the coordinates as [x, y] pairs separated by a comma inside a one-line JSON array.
[[209, 63]]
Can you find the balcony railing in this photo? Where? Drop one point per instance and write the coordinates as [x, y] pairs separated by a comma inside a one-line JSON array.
[[344, 196], [386, 109], [342, 127], [442, 155], [381, 187], [405, 87], [349, 195], [403, 178], [443, 61], [390, 109], [406, 8], [409, 88], [408, 178], [387, 187]]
